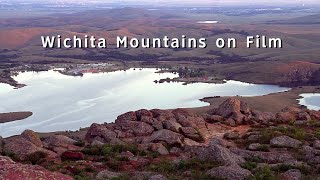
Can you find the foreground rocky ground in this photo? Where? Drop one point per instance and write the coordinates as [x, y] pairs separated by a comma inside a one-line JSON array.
[[232, 141]]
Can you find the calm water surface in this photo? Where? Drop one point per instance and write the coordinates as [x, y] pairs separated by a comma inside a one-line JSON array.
[[62, 102], [310, 100]]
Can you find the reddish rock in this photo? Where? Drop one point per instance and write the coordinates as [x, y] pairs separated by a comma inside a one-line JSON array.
[[285, 141], [268, 157], [59, 141], [10, 170], [172, 125], [181, 112], [314, 114], [191, 133], [161, 114], [158, 147], [129, 116], [292, 114], [143, 113], [97, 130], [216, 152], [166, 136], [231, 106], [263, 117], [21, 147], [190, 142], [229, 172], [157, 125], [137, 128], [72, 155], [214, 118], [32, 137]]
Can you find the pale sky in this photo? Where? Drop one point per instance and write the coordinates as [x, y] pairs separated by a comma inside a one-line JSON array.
[[202, 2]]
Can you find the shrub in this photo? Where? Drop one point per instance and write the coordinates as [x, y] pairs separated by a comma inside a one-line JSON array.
[[265, 174], [92, 150], [163, 166], [37, 157], [249, 165], [79, 143]]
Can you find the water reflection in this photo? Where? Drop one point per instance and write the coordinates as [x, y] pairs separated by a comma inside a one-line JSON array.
[[62, 102]]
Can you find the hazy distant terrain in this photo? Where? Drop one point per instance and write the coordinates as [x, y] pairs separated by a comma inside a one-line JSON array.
[[298, 27]]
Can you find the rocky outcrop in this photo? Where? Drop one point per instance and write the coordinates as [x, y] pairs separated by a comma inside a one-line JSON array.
[[165, 136], [97, 131], [285, 141], [22, 146], [32, 137], [292, 114], [217, 153], [11, 170], [267, 157]]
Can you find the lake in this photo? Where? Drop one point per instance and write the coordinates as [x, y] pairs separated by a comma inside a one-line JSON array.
[[310, 100], [61, 102]]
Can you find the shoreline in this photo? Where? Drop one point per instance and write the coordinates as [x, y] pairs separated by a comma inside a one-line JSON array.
[[273, 103], [14, 116]]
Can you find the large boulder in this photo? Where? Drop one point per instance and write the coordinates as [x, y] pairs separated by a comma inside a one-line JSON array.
[[292, 114], [229, 172], [191, 133], [100, 131], [172, 125], [11, 170], [216, 152], [129, 116], [235, 110], [263, 117], [232, 106], [285, 141], [22, 148], [166, 136], [267, 157], [59, 141], [32, 137], [136, 128]]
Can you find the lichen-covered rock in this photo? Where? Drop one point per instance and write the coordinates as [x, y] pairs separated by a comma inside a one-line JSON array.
[[231, 135], [22, 148], [32, 137], [216, 152], [166, 136], [129, 116], [10, 170], [191, 133], [59, 141], [98, 130], [137, 128], [229, 172], [172, 125], [285, 141], [267, 157]]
